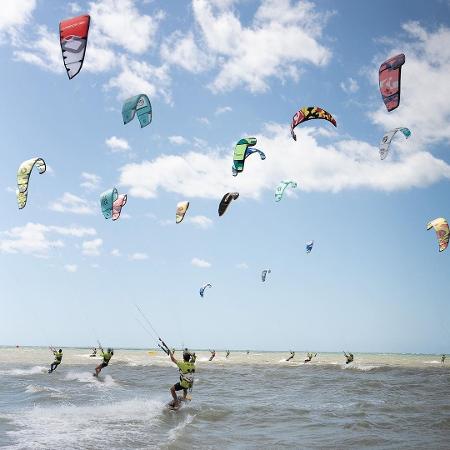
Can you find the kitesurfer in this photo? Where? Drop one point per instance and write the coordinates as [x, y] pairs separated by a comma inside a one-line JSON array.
[[94, 352], [213, 355], [443, 358], [57, 361], [106, 358], [228, 354], [187, 370], [193, 358], [292, 355], [309, 357], [348, 357]]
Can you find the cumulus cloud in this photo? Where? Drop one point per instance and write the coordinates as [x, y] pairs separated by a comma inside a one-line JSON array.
[[200, 221], [71, 268], [197, 262], [91, 248], [15, 15], [73, 204], [222, 110], [178, 140], [341, 164], [91, 181], [349, 86], [115, 252], [269, 45], [34, 238], [117, 144], [242, 266]]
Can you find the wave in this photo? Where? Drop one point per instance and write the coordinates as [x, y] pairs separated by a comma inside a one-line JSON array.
[[88, 377], [31, 371]]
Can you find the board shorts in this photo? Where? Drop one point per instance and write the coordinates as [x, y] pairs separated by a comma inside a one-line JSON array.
[[178, 387], [104, 364]]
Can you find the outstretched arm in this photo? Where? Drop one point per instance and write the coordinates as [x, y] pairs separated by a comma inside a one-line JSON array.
[[172, 357]]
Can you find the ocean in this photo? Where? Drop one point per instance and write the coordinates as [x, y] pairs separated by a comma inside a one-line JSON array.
[[254, 401]]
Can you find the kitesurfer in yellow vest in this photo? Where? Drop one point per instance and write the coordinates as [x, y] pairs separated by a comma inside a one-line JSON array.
[[193, 358], [57, 361], [106, 358], [187, 370], [309, 357], [443, 359], [213, 355]]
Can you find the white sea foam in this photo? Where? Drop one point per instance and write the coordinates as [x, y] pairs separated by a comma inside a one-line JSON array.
[[175, 432], [88, 377], [31, 371]]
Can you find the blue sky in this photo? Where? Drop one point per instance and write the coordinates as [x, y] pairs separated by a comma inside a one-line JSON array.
[[216, 71]]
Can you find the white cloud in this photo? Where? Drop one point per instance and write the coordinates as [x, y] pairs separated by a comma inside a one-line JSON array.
[[242, 265], [203, 120], [201, 221], [350, 86], [184, 52], [269, 46], [138, 256], [91, 181], [73, 204], [222, 110], [425, 87], [71, 268], [117, 144], [115, 252], [15, 14], [33, 238], [75, 8], [92, 248], [121, 24], [197, 262], [342, 164], [178, 140]]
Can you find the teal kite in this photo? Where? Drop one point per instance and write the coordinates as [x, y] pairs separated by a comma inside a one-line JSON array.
[[139, 104], [240, 154], [279, 191], [112, 203]]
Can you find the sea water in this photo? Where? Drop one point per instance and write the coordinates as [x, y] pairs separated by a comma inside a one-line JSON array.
[[248, 401]]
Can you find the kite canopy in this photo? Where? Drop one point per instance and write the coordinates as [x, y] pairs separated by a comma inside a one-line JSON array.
[[182, 207], [23, 177], [389, 80], [308, 113], [248, 152], [440, 225], [239, 154], [387, 138], [279, 191], [73, 35], [112, 203], [139, 104], [226, 200], [202, 289], [264, 274], [309, 246]]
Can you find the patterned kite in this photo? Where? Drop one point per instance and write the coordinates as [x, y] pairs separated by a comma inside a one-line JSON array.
[[440, 225], [307, 113], [389, 80], [279, 191], [23, 178], [226, 200], [112, 203], [242, 151], [140, 105], [387, 138], [73, 34], [182, 207]]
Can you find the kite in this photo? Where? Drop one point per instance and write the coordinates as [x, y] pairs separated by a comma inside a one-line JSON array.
[[279, 191], [73, 35], [264, 274], [440, 225], [309, 246], [202, 289], [112, 203], [242, 151], [139, 104], [226, 200], [23, 177], [308, 113], [182, 207], [389, 80], [387, 138]]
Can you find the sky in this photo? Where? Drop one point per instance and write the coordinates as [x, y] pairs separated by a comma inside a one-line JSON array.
[[217, 71]]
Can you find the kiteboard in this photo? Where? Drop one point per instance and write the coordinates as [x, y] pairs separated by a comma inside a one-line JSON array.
[[181, 402]]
